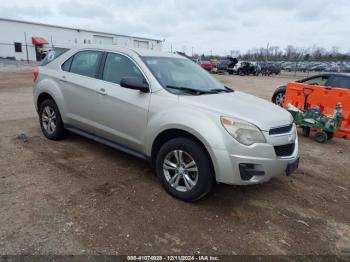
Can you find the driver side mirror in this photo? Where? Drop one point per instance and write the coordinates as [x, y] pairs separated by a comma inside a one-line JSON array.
[[135, 83]]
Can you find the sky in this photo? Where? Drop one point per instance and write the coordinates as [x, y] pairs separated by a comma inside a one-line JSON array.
[[204, 26]]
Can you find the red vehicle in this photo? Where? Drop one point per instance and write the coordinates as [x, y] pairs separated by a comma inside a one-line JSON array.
[[206, 65]]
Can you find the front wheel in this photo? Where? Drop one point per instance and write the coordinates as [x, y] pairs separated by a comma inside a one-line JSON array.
[[279, 98], [184, 169], [321, 137]]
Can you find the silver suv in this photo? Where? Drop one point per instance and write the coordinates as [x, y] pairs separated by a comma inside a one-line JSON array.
[[165, 108]]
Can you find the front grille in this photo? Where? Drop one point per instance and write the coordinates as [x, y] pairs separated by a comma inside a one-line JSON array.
[[281, 130], [284, 150]]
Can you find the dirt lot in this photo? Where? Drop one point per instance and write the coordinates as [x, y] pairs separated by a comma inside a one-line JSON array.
[[80, 197]]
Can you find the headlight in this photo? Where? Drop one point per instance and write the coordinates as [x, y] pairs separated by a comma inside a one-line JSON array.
[[244, 132]]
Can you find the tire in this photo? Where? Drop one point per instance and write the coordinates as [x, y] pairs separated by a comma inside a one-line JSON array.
[[175, 176], [306, 131], [50, 120], [279, 97], [330, 135], [321, 137]]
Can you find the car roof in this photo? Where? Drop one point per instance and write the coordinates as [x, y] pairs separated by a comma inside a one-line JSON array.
[[138, 51], [330, 74]]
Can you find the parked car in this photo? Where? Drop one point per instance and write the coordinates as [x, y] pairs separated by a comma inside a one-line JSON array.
[[339, 80], [243, 68], [345, 67], [206, 65], [254, 68], [269, 69], [223, 65], [164, 108]]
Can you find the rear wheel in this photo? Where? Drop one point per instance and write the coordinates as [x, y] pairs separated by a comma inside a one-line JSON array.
[[184, 169], [330, 135], [50, 120], [306, 131], [279, 98]]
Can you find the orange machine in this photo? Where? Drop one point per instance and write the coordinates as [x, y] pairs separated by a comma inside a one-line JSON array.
[[301, 95]]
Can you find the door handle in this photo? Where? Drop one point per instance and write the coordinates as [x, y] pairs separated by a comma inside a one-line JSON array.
[[102, 91], [63, 79]]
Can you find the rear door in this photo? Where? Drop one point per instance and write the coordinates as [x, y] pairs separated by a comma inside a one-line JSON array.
[[80, 88], [121, 114]]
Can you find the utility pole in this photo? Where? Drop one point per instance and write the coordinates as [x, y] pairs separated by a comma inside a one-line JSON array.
[[267, 51], [192, 51], [25, 41], [171, 47]]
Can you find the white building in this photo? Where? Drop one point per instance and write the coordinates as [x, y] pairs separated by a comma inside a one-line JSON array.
[[24, 40]]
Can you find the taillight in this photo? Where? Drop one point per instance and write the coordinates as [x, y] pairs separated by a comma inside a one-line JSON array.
[[35, 74]]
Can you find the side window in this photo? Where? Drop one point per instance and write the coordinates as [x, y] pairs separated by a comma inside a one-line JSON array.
[[86, 63], [340, 81], [318, 81], [119, 66], [66, 65]]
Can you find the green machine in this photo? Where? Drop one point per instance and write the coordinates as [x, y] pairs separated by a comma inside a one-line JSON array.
[[313, 118]]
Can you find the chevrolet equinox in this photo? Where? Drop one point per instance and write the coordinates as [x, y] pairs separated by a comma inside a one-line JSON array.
[[165, 108]]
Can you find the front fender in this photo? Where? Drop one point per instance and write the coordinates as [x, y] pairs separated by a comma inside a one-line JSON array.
[[206, 127]]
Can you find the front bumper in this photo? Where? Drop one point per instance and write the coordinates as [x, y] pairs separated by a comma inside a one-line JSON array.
[[259, 159]]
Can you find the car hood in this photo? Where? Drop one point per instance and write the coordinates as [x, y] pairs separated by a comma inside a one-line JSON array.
[[257, 111]]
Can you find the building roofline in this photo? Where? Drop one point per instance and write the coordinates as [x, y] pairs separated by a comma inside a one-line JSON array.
[[77, 29]]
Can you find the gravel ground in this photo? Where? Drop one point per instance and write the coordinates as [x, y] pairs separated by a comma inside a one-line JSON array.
[[79, 197]]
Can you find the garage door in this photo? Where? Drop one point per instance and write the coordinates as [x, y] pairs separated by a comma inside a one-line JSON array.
[[103, 40], [141, 44]]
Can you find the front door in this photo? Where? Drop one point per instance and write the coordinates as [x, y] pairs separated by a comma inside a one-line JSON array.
[[122, 113]]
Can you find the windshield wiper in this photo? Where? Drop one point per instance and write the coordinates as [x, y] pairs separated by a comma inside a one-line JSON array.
[[200, 92], [218, 90], [188, 89]]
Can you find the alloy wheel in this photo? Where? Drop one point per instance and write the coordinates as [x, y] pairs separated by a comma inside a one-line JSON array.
[[279, 99], [180, 170], [49, 120]]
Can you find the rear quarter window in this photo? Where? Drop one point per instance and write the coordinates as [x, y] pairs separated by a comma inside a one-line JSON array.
[[52, 54]]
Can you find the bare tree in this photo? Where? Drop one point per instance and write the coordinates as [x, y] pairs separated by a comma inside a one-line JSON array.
[[292, 53]]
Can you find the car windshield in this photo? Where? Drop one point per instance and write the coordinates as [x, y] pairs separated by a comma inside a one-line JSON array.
[[180, 75]]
